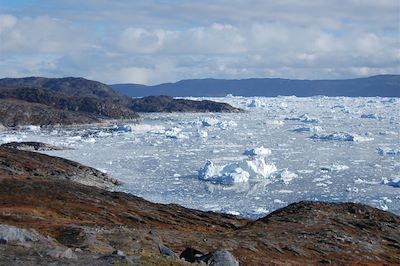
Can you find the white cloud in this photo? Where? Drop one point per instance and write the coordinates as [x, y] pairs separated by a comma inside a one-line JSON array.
[[160, 41]]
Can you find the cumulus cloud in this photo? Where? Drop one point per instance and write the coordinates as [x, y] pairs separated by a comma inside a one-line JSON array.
[[161, 41]]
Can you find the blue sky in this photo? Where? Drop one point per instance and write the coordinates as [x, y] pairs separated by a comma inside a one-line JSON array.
[[159, 41]]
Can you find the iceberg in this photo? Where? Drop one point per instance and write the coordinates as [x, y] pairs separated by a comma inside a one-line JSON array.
[[253, 168]]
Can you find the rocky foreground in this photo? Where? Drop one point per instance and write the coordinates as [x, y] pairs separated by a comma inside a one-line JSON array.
[[56, 212]]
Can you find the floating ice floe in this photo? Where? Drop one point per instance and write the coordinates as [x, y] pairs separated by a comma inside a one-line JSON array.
[[274, 122], [175, 133], [209, 122], [202, 134], [213, 122], [393, 181], [285, 176], [308, 129], [388, 151], [260, 151], [121, 128], [334, 168], [371, 116], [303, 118], [340, 136]]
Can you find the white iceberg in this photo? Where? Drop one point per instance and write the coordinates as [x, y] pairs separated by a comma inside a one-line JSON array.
[[256, 168], [255, 103]]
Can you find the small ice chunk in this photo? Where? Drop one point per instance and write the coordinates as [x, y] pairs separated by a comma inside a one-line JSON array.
[[31, 128], [175, 133], [303, 118], [393, 181], [308, 129], [286, 176], [340, 136], [371, 116], [260, 151], [388, 151], [209, 121], [121, 128], [334, 168], [202, 134]]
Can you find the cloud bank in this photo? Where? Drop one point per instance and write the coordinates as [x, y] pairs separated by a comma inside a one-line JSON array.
[[163, 41]]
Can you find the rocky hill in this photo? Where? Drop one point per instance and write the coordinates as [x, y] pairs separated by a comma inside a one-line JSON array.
[[66, 101], [68, 223], [77, 87], [169, 104]]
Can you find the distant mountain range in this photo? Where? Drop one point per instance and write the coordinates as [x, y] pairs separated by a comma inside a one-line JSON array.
[[381, 85]]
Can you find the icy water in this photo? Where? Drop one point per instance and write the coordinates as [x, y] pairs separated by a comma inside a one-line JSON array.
[[336, 149]]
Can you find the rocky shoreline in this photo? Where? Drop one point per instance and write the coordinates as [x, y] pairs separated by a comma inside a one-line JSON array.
[[55, 211]]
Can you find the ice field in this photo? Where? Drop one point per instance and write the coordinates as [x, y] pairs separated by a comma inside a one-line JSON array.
[[280, 151]]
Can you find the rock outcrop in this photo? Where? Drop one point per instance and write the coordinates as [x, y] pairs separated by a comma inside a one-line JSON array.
[[31, 146], [46, 194], [17, 163], [169, 104]]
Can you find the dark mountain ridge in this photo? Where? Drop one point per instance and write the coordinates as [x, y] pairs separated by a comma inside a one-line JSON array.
[[381, 85]]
